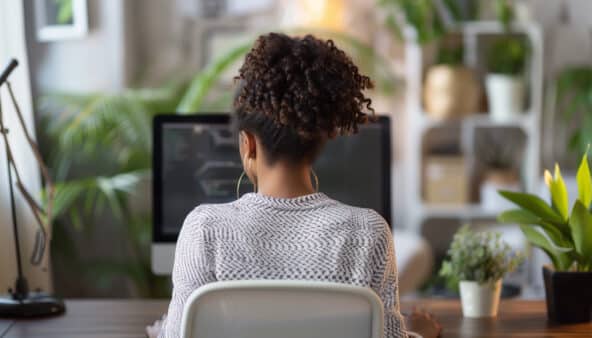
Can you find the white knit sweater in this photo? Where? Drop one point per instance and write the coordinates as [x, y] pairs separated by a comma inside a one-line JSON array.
[[310, 237]]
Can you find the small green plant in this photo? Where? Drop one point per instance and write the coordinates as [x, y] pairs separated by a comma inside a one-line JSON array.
[[478, 256], [508, 55], [565, 236]]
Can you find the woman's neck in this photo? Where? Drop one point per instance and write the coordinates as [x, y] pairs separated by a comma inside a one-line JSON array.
[[283, 180]]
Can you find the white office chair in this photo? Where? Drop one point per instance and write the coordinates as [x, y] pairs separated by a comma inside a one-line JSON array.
[[286, 309]]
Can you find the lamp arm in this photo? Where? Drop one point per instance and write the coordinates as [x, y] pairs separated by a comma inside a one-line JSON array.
[[7, 70], [43, 217]]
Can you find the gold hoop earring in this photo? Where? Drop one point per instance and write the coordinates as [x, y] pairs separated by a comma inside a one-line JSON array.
[[238, 184], [316, 179]]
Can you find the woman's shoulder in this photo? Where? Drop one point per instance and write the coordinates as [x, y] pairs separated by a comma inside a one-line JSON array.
[[204, 215], [367, 218]]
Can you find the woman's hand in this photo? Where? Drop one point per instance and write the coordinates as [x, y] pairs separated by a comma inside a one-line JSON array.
[[152, 331], [423, 323]]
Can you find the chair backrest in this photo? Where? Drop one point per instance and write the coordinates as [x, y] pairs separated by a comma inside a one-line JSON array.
[[286, 309]]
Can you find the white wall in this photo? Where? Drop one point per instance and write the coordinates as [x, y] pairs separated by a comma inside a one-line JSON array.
[[96, 62], [12, 44]]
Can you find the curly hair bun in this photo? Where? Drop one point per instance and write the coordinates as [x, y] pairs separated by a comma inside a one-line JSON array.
[[304, 84], [297, 92]]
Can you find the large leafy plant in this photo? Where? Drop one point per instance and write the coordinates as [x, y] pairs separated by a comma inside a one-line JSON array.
[[574, 101], [478, 256], [99, 150], [566, 236]]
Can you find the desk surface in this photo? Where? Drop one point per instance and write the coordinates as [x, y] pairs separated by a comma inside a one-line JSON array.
[[127, 319]]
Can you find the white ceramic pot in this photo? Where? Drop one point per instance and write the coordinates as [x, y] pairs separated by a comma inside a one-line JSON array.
[[494, 181], [480, 300], [505, 94]]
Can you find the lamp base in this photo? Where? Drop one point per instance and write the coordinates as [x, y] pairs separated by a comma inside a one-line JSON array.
[[35, 305]]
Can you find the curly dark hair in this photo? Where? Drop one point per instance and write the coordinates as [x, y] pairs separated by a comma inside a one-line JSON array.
[[294, 93]]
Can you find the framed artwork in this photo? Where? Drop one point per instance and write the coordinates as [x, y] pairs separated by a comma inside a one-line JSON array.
[[60, 19]]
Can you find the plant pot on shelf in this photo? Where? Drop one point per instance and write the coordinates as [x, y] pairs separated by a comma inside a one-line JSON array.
[[493, 181], [569, 296], [480, 300], [451, 92], [505, 94]]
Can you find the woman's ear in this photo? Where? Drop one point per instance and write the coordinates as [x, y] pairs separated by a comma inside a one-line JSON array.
[[249, 144]]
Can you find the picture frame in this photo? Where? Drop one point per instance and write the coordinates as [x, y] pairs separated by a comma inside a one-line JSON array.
[[60, 19]]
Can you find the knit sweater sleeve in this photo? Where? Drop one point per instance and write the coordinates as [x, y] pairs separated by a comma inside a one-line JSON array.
[[384, 276], [193, 268]]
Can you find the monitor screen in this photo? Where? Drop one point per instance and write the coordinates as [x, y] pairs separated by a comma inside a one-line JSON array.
[[196, 160]]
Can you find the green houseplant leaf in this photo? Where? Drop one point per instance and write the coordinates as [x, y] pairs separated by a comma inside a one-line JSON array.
[[558, 193], [584, 182], [561, 260], [534, 204], [580, 223], [520, 216], [566, 239]]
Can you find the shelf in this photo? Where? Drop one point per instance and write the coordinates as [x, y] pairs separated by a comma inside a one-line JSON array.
[[476, 120], [421, 132], [469, 211]]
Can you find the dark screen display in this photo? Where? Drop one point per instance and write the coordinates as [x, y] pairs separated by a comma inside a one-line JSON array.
[[200, 163]]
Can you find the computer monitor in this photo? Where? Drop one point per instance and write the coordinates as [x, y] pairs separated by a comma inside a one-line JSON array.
[[196, 160]]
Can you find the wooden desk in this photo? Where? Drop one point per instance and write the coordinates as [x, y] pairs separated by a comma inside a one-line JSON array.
[[516, 318], [127, 319], [92, 319]]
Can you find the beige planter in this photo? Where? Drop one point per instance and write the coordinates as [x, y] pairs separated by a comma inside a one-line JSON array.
[[480, 300], [451, 92]]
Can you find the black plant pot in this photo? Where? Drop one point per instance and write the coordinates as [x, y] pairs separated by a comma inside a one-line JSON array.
[[569, 296]]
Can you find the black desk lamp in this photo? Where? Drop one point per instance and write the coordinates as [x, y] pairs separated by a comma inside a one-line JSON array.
[[21, 302]]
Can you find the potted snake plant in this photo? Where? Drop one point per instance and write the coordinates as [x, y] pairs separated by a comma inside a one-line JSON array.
[[478, 261], [565, 235]]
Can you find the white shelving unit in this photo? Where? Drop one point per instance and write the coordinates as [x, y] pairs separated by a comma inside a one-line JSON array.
[[416, 124]]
